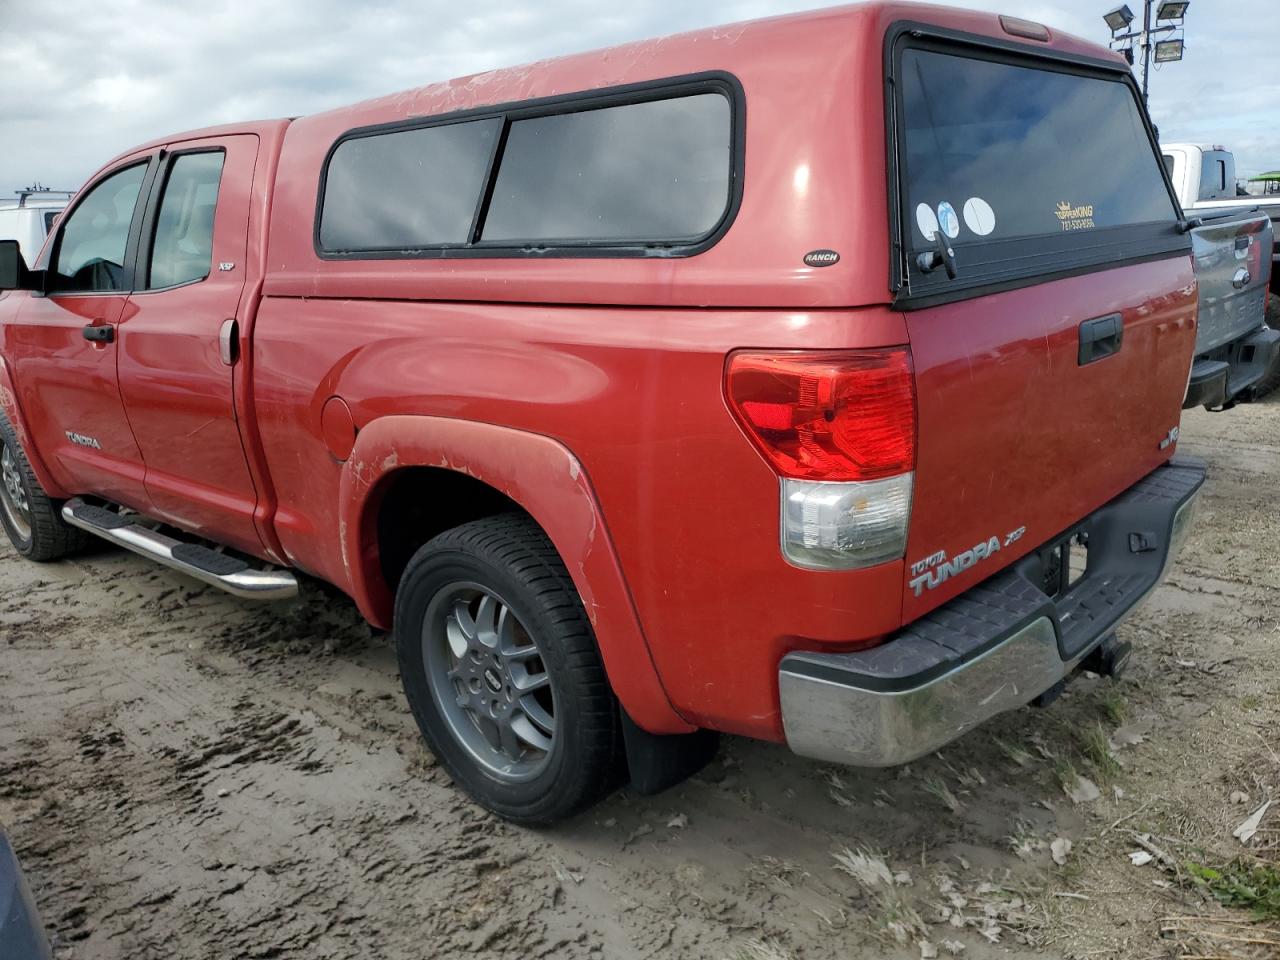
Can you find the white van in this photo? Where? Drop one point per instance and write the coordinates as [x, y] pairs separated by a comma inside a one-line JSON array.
[[30, 218]]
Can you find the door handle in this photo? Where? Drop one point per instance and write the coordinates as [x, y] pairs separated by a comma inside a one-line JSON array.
[[1242, 279], [1100, 337], [99, 333], [229, 341]]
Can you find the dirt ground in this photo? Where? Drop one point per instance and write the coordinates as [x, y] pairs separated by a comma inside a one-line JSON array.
[[187, 776]]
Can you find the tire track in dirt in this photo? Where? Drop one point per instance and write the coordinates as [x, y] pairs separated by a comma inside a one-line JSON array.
[[188, 776]]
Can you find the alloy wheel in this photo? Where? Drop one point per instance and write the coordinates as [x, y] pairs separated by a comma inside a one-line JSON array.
[[489, 679], [13, 495]]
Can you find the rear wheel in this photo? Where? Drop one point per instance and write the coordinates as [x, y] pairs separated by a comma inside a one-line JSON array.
[[1272, 378], [32, 521], [502, 672]]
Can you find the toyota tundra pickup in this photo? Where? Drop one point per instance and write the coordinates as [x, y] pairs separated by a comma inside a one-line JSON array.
[[815, 379]]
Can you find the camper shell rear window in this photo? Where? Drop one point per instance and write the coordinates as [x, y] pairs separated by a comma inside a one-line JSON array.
[[644, 170], [1029, 166]]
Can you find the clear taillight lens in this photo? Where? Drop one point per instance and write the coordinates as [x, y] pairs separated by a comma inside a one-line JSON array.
[[844, 526], [840, 429]]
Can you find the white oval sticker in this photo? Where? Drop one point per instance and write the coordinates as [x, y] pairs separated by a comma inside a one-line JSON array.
[[926, 220], [948, 219], [978, 216]]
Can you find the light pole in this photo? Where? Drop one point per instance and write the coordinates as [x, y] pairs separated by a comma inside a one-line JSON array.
[[1169, 13]]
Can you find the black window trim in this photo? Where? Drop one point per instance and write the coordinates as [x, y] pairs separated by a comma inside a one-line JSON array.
[[151, 161], [715, 81], [150, 219], [1043, 261]]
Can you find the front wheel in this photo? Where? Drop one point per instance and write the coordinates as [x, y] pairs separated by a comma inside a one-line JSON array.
[[502, 672], [31, 520]]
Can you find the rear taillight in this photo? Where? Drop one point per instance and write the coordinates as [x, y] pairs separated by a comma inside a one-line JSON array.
[[840, 430]]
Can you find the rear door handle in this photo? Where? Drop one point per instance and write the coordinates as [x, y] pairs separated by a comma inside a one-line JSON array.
[[99, 333], [1100, 337]]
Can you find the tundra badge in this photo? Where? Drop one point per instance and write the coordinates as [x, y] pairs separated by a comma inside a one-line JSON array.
[[936, 569], [81, 440]]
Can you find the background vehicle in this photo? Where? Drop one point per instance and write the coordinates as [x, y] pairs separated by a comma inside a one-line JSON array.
[[1237, 351], [29, 218], [21, 933], [626, 446]]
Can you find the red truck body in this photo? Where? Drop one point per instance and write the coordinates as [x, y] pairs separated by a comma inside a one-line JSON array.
[[590, 390]]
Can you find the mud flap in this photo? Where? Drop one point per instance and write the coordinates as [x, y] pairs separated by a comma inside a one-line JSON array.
[[656, 763]]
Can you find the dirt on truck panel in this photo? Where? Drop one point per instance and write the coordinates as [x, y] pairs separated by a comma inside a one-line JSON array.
[[179, 769]]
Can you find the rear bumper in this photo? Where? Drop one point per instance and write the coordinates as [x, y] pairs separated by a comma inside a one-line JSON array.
[[994, 648], [1231, 372]]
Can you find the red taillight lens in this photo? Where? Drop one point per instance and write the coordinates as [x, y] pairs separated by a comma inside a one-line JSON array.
[[828, 416]]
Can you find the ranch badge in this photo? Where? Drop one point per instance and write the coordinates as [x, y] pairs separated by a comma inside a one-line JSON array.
[[1079, 217]]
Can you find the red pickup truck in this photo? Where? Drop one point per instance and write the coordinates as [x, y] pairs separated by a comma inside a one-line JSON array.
[[815, 379]]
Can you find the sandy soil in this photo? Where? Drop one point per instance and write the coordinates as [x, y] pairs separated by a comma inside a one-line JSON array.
[[187, 776]]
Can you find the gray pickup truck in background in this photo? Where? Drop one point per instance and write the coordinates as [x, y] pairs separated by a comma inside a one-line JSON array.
[[1233, 241]]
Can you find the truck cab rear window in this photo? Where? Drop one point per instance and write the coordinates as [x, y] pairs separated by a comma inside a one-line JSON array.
[[997, 151], [623, 176]]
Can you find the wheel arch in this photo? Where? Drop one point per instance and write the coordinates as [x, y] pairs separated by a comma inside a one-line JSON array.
[[502, 466], [13, 413]]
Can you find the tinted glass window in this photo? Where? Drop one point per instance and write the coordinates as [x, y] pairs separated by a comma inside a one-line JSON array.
[[92, 246], [1168, 163], [644, 171], [182, 249], [996, 151], [408, 189], [49, 217], [1213, 175]]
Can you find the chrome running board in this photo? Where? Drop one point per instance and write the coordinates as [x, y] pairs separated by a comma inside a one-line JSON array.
[[227, 572]]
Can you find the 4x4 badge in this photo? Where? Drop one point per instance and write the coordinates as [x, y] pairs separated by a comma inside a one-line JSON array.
[[1169, 439]]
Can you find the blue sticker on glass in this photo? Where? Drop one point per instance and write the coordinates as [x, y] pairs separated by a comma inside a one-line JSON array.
[[948, 220]]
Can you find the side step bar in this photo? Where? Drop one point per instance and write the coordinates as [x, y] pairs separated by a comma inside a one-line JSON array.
[[222, 570]]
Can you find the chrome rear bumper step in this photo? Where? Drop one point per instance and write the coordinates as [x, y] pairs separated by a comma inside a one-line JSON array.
[[225, 571]]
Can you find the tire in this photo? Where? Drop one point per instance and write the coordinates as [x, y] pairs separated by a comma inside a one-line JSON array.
[[32, 521], [1271, 380], [515, 705]]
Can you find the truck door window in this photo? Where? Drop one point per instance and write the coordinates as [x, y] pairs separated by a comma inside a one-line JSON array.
[[91, 247], [407, 189], [182, 245]]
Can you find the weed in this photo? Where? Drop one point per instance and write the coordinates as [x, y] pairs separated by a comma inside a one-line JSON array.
[[1114, 705], [1251, 701], [939, 788], [1064, 771], [1096, 745], [1014, 752], [1251, 886]]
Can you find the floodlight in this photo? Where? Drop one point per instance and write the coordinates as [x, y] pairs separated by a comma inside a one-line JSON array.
[[1172, 10], [1119, 18], [1168, 51]]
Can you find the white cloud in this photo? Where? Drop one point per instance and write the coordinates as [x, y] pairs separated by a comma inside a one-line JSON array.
[[84, 80]]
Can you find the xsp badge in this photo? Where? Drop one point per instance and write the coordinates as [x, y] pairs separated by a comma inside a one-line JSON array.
[[79, 439], [936, 569], [1169, 439]]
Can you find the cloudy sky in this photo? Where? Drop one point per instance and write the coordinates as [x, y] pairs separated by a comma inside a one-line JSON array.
[[85, 79]]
